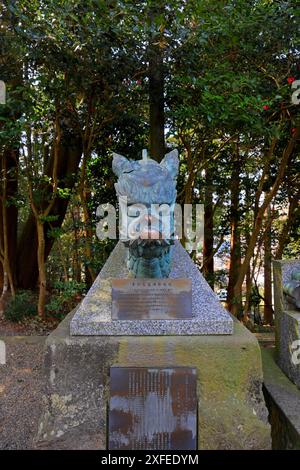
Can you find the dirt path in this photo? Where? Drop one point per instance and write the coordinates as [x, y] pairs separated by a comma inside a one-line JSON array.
[[29, 327], [21, 382]]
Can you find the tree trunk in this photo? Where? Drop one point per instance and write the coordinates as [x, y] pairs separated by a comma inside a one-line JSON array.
[[248, 273], [248, 292], [10, 160], [234, 300], [283, 240], [260, 212], [41, 268], [13, 76], [84, 194], [88, 234], [208, 243], [76, 256], [7, 262], [268, 310], [156, 94], [12, 210]]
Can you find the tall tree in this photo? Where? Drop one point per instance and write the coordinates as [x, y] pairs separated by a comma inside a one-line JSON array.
[[234, 298], [268, 310], [208, 242], [156, 81]]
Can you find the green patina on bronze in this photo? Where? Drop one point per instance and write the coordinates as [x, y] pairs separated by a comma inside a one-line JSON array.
[[147, 182]]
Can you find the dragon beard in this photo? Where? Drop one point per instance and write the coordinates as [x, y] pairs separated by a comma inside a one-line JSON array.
[[149, 258]]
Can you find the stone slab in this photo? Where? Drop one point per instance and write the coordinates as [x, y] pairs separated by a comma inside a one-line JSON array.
[[283, 270], [152, 408], [94, 315], [283, 401], [231, 407], [287, 321], [289, 353]]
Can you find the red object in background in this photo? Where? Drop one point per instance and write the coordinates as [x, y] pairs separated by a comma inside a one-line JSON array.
[[266, 107], [293, 130], [291, 79]]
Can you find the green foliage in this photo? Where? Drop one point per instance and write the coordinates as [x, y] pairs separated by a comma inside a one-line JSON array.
[[85, 65], [24, 305], [64, 297]]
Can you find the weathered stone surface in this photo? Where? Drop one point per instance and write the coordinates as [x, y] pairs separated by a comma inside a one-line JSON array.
[[287, 320], [231, 408], [283, 401], [292, 292], [94, 315]]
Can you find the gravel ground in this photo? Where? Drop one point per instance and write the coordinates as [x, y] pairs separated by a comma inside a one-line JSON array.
[[21, 382]]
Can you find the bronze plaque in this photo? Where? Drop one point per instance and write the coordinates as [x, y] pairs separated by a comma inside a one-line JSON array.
[[151, 299], [153, 408]]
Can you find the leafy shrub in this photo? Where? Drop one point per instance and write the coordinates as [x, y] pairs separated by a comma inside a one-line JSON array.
[[23, 305], [64, 297]]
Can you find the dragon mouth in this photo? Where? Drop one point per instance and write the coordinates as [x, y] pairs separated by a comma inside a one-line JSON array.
[[148, 249], [140, 242]]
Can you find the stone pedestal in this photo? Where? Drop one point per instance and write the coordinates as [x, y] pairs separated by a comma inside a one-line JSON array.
[[94, 315], [287, 321], [231, 408], [224, 354]]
